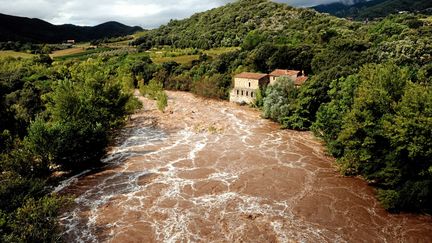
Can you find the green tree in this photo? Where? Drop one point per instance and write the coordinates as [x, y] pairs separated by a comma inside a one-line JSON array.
[[366, 144], [410, 135], [252, 40], [329, 118], [280, 99]]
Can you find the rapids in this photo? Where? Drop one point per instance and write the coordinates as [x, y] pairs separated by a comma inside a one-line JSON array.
[[212, 171]]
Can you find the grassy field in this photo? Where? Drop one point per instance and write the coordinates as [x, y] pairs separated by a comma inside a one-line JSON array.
[[179, 59], [139, 34], [67, 52], [186, 55], [218, 51], [166, 54], [82, 54], [15, 54]]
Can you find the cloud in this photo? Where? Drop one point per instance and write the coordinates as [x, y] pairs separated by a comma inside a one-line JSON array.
[[145, 13]]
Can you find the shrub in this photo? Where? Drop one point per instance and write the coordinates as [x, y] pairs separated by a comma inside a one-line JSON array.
[[162, 101], [279, 101]]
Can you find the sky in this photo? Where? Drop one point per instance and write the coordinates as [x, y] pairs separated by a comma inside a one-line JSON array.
[[144, 13]]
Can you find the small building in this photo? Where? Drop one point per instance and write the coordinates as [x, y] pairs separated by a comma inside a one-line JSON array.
[[295, 75], [246, 86], [70, 41]]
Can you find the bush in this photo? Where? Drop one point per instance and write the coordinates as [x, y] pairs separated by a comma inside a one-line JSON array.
[[35, 221], [259, 99], [216, 86], [181, 82], [280, 99], [152, 89], [162, 100]]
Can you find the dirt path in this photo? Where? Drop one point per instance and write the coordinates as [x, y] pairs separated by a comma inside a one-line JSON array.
[[211, 171]]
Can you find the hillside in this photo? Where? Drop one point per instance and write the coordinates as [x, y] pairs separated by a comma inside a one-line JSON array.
[[229, 25], [13, 28], [374, 8]]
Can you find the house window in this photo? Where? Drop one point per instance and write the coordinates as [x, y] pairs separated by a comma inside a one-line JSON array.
[[252, 94], [247, 93], [237, 92], [242, 92], [249, 84]]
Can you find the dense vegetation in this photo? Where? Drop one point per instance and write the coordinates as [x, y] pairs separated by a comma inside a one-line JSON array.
[[22, 29], [362, 9], [54, 118], [224, 26], [366, 93]]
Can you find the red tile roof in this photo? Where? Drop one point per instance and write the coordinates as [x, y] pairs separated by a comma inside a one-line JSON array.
[[300, 80], [256, 76], [284, 72]]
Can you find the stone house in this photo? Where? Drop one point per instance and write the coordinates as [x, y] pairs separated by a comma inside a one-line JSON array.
[[295, 75], [246, 86]]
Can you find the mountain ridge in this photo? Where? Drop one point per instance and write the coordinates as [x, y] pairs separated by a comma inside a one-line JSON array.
[[15, 28], [373, 8]]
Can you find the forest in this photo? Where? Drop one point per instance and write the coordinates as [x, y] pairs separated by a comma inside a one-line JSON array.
[[368, 97]]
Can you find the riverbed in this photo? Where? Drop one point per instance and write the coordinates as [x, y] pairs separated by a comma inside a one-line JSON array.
[[213, 171]]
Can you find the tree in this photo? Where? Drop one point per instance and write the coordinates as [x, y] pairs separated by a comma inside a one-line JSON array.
[[410, 135], [329, 118], [279, 100], [252, 40], [366, 145]]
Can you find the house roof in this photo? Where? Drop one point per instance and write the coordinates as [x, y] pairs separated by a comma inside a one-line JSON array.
[[284, 72], [300, 80], [256, 76]]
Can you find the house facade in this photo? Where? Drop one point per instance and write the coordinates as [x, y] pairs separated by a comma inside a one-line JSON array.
[[246, 86], [295, 75]]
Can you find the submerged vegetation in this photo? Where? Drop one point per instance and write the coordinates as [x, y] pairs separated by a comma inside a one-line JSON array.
[[154, 90]]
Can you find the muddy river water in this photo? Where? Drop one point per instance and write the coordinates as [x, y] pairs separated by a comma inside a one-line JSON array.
[[211, 171]]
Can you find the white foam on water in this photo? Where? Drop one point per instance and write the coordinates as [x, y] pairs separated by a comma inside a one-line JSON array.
[[178, 204], [65, 183]]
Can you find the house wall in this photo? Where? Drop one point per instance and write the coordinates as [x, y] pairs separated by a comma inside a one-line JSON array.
[[245, 90], [246, 83], [243, 95], [274, 78]]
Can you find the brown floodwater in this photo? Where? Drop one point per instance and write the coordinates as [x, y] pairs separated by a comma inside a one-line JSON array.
[[212, 171]]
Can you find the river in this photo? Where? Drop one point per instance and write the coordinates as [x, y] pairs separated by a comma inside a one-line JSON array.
[[212, 171]]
